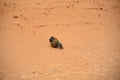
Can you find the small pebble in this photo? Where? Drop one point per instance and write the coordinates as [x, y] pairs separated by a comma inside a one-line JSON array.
[[33, 72], [15, 16], [101, 8]]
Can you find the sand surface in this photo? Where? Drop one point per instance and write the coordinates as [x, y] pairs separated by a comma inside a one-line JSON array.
[[88, 29]]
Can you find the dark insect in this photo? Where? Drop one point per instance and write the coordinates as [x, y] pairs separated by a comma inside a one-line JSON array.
[[54, 42]]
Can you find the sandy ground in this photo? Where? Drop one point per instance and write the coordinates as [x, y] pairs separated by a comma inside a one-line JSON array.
[[88, 29]]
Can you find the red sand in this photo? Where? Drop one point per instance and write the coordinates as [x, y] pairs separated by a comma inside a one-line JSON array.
[[88, 29]]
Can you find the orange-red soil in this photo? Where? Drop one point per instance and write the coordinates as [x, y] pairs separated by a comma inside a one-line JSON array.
[[88, 29]]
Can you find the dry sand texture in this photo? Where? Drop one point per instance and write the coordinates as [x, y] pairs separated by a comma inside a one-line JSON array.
[[88, 29]]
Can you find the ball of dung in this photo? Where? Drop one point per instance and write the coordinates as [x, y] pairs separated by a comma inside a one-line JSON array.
[[60, 45]]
